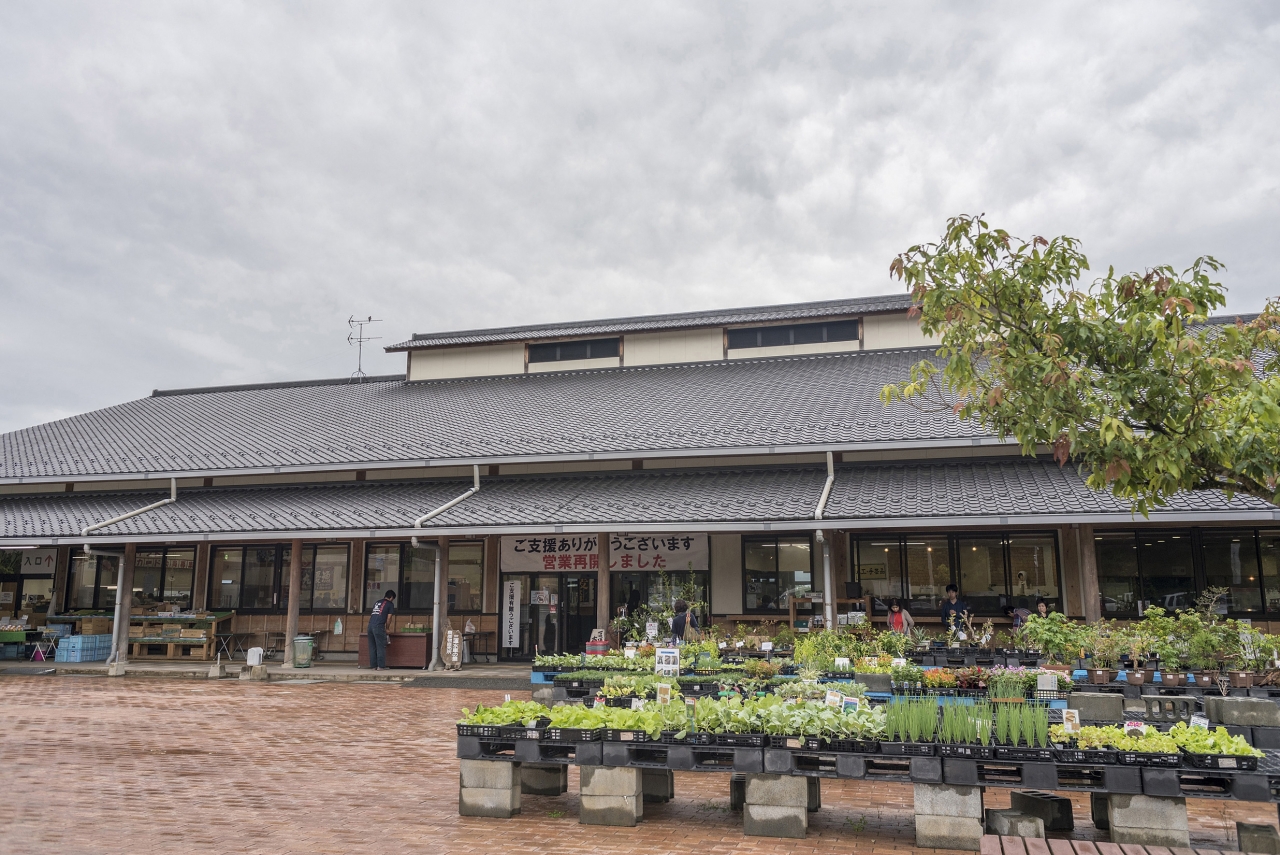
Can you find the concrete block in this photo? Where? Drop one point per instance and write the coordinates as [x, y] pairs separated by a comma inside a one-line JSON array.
[[544, 779], [779, 790], [1148, 820], [737, 791], [488, 774], [949, 800], [117, 669], [217, 671], [499, 802], [257, 673], [658, 785], [612, 781], [1258, 838], [550, 695], [1248, 712], [623, 811], [948, 832], [774, 820], [1098, 809], [815, 794], [1014, 823], [1054, 811], [1096, 706]]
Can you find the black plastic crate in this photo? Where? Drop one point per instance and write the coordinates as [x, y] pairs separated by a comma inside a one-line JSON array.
[[968, 752], [796, 743], [611, 734], [475, 748], [1144, 758], [908, 749], [484, 731], [1088, 756], [1032, 755], [853, 746], [1234, 762], [570, 734], [741, 740], [516, 731], [669, 737]]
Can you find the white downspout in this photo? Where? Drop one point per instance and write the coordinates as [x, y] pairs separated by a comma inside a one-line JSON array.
[[475, 488], [828, 583], [173, 497]]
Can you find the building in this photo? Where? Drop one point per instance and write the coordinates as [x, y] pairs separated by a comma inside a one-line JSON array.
[[612, 457]]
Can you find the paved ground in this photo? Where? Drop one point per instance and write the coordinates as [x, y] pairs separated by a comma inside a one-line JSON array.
[[92, 765]]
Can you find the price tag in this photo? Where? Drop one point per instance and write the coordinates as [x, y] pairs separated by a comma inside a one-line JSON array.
[[628, 653], [599, 702], [842, 663], [637, 703], [722, 645], [1199, 720], [835, 699], [766, 646], [1046, 682]]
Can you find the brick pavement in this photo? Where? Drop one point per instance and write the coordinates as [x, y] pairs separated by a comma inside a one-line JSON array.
[[92, 765]]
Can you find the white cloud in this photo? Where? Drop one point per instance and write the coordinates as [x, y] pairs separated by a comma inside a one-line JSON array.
[[195, 194]]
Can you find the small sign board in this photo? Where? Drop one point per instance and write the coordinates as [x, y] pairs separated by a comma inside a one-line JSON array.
[[667, 662], [1200, 720], [1046, 682], [851, 704], [766, 646], [842, 663], [628, 653], [664, 693], [1071, 721], [651, 629], [835, 699]]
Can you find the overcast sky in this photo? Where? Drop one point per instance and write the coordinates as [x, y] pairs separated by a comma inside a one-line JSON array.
[[199, 194]]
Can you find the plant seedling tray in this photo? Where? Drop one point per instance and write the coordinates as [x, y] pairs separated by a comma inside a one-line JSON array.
[[741, 740], [853, 746], [1148, 758], [796, 743], [1033, 755], [615, 735], [910, 749], [969, 752], [520, 732], [1085, 755], [484, 731], [1240, 762], [570, 734]]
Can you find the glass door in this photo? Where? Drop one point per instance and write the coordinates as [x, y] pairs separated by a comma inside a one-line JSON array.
[[552, 613], [579, 612]]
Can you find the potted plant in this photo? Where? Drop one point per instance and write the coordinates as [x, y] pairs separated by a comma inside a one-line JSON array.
[[1105, 654], [1059, 637]]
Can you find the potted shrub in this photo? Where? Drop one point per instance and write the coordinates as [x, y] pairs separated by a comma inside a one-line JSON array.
[[1105, 654], [1059, 637]]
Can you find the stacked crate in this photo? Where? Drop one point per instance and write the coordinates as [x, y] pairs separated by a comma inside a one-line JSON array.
[[83, 648]]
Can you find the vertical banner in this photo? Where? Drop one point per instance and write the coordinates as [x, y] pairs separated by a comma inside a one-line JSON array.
[[511, 614]]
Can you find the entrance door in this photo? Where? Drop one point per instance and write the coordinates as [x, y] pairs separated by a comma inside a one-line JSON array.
[[556, 613]]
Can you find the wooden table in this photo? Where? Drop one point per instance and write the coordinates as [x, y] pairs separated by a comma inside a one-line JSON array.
[[204, 648], [406, 650]]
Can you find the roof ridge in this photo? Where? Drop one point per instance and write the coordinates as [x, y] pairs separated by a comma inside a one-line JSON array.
[[281, 384]]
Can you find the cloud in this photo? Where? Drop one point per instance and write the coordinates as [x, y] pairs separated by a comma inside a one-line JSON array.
[[202, 194]]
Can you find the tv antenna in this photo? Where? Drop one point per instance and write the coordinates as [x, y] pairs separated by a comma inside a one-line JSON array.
[[358, 338]]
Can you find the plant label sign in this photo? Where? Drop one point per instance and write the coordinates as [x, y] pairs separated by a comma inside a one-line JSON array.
[[835, 699], [628, 653], [898, 662], [1199, 720], [636, 704], [722, 645], [651, 629], [842, 663], [1071, 721], [851, 705], [664, 693], [1134, 728], [1046, 682], [667, 662], [738, 644], [766, 646]]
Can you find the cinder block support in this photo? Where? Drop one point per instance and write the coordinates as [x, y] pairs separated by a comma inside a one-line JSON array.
[[1258, 838], [948, 816], [1054, 811], [488, 788], [549, 779], [659, 785], [1148, 820], [737, 791], [775, 806], [1098, 811], [611, 795], [815, 794], [1095, 706], [1014, 823]]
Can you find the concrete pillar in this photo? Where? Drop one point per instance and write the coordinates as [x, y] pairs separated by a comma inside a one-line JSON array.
[[488, 788], [604, 603], [1148, 820], [611, 795], [295, 598], [775, 806], [1089, 588], [1258, 838], [658, 785], [124, 605], [538, 779], [948, 816]]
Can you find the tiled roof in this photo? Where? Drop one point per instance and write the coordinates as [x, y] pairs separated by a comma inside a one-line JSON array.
[[772, 404], [658, 323], [1017, 491]]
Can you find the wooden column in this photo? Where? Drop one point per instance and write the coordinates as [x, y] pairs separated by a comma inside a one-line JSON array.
[[355, 583], [604, 603], [60, 571], [1089, 587], [492, 592], [200, 578], [295, 598]]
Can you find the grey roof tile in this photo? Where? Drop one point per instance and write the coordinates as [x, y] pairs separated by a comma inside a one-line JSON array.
[[793, 401], [613, 501], [657, 323]]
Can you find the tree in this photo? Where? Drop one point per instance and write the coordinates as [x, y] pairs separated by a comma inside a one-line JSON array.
[[1122, 376]]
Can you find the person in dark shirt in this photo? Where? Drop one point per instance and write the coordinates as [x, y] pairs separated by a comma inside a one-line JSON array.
[[683, 622], [953, 608], [378, 639]]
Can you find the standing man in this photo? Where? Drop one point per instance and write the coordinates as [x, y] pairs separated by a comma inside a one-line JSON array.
[[953, 609], [378, 639]]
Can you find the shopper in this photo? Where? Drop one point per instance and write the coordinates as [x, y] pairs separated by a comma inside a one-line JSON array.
[[377, 630], [683, 624], [953, 609], [900, 619], [1042, 608], [1018, 616]]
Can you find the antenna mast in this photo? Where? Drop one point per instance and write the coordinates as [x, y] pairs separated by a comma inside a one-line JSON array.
[[358, 338]]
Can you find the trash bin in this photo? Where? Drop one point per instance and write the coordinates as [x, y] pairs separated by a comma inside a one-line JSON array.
[[302, 647]]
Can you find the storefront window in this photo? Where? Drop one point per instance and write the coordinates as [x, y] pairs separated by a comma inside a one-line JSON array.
[[878, 566], [1033, 571], [258, 589], [982, 582], [228, 564], [466, 577], [928, 572], [775, 571], [419, 578], [1168, 574], [323, 577], [382, 572], [108, 576], [1269, 555], [82, 582], [179, 576], [1117, 557], [1231, 562]]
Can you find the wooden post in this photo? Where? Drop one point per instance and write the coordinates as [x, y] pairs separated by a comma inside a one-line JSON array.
[[1089, 589], [295, 597]]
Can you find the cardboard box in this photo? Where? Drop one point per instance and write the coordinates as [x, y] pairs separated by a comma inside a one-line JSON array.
[[95, 626], [171, 630], [135, 632], [193, 633]]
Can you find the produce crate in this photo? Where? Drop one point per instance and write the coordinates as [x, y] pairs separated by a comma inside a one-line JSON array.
[[970, 752], [741, 740], [9, 650], [1085, 755], [1238, 762], [615, 735], [1146, 758], [669, 738], [853, 746], [193, 633], [570, 734], [520, 731], [1032, 755], [483, 731], [796, 743], [909, 749]]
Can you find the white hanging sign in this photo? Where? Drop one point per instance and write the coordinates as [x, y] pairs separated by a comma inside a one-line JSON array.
[[629, 553], [511, 596], [550, 554]]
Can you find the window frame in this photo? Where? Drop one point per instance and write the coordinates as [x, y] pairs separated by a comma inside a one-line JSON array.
[[734, 335], [280, 604], [537, 351], [776, 540], [401, 589]]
